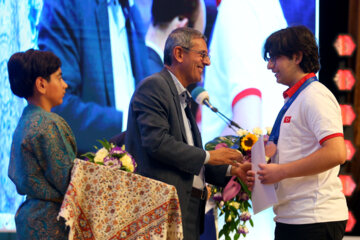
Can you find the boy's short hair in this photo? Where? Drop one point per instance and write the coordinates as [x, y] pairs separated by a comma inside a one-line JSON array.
[[25, 67]]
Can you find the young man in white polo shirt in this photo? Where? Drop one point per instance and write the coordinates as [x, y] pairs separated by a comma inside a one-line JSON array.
[[309, 137]]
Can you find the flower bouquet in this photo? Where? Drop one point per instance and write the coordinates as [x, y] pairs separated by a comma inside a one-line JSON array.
[[233, 200], [112, 156]]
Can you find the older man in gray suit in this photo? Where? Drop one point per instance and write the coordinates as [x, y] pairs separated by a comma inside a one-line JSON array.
[[162, 134]]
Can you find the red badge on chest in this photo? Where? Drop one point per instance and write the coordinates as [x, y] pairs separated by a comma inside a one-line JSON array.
[[287, 119]]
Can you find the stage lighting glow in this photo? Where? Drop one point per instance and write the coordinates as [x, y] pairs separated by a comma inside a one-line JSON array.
[[350, 150], [350, 223], [344, 45], [347, 114], [344, 79], [348, 184]]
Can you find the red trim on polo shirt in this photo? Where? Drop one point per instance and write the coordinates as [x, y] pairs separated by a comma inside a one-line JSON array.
[[331, 136], [290, 91], [245, 93]]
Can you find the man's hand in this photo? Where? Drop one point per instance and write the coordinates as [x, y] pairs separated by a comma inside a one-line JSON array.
[[241, 171], [270, 173], [244, 173], [224, 156], [250, 179]]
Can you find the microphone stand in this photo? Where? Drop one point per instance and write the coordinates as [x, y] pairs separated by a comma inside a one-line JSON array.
[[231, 124]]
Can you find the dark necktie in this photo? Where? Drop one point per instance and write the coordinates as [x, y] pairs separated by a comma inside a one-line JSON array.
[[137, 48], [125, 7], [193, 126], [197, 142]]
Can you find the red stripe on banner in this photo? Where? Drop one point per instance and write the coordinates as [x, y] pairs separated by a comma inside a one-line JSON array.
[[245, 93]]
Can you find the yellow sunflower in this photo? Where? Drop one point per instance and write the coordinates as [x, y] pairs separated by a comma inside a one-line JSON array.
[[248, 141]]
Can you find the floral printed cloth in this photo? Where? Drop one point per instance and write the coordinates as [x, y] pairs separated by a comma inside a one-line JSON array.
[[102, 203]]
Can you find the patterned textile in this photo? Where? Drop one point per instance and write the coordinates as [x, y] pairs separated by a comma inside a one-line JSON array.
[[42, 155], [102, 203]]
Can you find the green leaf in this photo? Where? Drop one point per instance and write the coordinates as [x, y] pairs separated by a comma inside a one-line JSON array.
[[244, 187], [236, 236], [221, 213], [226, 215], [89, 155], [227, 227], [251, 222], [221, 232], [118, 155], [233, 209], [105, 144]]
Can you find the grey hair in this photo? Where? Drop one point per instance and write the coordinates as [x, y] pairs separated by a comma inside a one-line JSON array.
[[180, 37]]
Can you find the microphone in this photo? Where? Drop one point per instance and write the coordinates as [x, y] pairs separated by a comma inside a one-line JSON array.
[[201, 97]]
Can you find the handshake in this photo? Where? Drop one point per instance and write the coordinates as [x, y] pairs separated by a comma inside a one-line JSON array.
[[233, 157], [241, 166]]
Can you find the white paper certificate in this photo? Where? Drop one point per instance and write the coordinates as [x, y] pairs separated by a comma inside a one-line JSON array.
[[263, 195]]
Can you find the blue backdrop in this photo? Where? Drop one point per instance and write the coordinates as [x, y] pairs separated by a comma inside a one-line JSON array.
[[18, 20], [17, 33]]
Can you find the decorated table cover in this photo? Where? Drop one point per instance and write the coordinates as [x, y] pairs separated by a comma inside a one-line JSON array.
[[102, 203]]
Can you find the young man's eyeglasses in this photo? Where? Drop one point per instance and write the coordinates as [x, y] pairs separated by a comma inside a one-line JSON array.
[[203, 54]]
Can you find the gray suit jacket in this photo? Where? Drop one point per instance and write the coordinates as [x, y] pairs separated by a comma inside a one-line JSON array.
[[156, 138]]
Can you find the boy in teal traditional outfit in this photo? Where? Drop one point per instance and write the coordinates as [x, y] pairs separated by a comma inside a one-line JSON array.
[[43, 147]]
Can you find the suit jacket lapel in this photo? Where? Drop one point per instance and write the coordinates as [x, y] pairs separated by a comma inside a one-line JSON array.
[[195, 129], [174, 92], [102, 21]]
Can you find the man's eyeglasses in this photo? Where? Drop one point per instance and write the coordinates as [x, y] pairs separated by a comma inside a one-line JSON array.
[[203, 54]]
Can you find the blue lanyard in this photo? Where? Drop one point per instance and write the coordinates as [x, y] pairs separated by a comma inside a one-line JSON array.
[[275, 132]]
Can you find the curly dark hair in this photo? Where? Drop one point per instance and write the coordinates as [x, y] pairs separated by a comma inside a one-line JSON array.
[[25, 67], [164, 11], [290, 41]]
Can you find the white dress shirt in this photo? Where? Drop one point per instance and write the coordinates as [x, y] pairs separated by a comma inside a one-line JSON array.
[[124, 82]]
